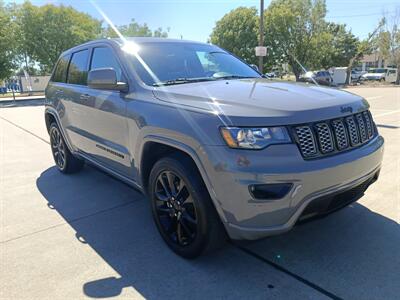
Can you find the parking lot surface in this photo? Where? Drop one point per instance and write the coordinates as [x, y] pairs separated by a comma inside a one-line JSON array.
[[90, 236]]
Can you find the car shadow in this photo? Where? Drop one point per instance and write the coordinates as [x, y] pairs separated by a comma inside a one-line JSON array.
[[115, 221], [125, 237], [354, 253]]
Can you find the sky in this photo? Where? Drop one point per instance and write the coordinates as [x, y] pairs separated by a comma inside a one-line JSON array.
[[195, 19]]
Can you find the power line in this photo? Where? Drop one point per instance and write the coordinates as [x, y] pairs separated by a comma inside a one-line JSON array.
[[363, 15]]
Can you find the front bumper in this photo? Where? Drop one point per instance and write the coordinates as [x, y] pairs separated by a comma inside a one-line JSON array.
[[230, 172]]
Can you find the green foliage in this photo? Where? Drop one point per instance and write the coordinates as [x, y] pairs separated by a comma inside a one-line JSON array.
[[134, 29], [295, 31], [237, 33], [388, 42], [7, 42], [336, 46], [34, 36], [46, 31]]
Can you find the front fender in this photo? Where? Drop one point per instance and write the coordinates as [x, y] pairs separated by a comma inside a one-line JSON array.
[[192, 152]]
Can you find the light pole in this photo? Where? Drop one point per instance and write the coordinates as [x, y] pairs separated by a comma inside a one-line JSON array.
[[261, 38]]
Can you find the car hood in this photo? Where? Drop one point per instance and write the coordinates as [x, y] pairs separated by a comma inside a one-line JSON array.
[[262, 101]]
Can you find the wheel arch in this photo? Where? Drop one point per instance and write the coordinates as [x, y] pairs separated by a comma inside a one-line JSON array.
[[50, 116], [154, 148]]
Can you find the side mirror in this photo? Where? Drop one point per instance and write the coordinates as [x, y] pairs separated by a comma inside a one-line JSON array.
[[105, 79], [255, 67]]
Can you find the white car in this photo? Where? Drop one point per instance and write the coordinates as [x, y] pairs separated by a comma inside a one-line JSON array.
[[381, 74], [356, 75]]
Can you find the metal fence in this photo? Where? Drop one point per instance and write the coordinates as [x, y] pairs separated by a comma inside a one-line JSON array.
[[19, 86]]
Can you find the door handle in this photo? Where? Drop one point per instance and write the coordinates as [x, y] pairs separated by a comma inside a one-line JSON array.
[[84, 97]]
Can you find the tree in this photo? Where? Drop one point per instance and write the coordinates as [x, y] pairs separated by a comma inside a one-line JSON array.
[[336, 46], [46, 31], [294, 31], [7, 43], [135, 29], [389, 42], [363, 47], [237, 33], [26, 18]]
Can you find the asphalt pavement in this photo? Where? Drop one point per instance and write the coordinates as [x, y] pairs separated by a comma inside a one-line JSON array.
[[90, 236]]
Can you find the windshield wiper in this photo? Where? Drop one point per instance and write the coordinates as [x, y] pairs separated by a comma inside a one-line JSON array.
[[182, 81], [235, 77]]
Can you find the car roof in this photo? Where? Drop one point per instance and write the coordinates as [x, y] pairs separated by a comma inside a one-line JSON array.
[[138, 40]]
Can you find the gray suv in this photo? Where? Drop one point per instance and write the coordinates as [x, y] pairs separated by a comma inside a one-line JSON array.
[[219, 150]]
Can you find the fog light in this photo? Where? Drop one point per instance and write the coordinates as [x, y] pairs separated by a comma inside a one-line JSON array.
[[273, 191]]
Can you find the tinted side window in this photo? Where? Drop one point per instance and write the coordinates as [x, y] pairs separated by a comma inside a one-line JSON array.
[[104, 58], [60, 73], [77, 71]]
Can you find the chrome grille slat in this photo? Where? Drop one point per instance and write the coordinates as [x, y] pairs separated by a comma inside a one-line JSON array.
[[370, 126], [340, 134], [353, 132], [324, 137], [361, 127], [306, 141], [331, 136]]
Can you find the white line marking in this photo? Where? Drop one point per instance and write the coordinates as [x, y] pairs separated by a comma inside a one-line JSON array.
[[387, 113], [373, 98]]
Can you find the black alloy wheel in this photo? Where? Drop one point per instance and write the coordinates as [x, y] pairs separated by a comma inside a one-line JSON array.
[[182, 208], [65, 161], [175, 208], [57, 147]]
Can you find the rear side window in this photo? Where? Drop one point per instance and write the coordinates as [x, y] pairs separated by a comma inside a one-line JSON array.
[[104, 58], [60, 73], [77, 71]]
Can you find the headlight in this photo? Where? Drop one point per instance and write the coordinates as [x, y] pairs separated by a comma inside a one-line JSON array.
[[254, 138]]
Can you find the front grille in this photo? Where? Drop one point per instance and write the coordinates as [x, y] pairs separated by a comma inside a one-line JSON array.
[[331, 136]]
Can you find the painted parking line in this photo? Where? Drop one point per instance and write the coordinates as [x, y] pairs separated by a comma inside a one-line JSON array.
[[287, 272], [387, 113], [26, 130], [373, 98]]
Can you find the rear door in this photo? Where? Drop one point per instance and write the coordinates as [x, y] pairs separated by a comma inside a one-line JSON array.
[[104, 120], [75, 96], [58, 94]]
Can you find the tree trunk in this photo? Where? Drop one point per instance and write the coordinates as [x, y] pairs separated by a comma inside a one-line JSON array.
[[297, 75], [26, 61], [348, 71], [398, 75]]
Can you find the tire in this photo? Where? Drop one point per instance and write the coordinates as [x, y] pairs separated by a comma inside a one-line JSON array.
[[182, 208], [65, 161]]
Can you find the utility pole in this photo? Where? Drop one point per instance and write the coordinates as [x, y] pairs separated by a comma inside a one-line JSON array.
[[261, 38]]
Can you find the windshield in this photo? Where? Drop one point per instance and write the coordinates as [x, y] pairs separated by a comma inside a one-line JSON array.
[[378, 71], [174, 63]]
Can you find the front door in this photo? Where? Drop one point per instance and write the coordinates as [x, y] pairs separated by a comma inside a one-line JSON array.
[[106, 117]]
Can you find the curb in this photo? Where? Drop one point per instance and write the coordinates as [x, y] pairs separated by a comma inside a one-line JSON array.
[[23, 102]]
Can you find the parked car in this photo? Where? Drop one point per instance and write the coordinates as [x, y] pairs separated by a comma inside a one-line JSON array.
[[218, 150], [321, 77], [271, 75], [356, 75], [381, 74]]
